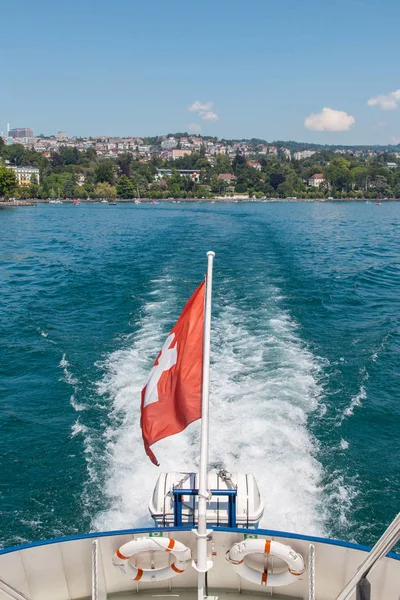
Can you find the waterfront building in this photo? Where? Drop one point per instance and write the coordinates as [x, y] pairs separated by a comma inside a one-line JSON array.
[[193, 173], [227, 177], [25, 175], [316, 180], [21, 132]]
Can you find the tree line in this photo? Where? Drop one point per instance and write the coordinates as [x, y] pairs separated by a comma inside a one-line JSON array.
[[70, 173]]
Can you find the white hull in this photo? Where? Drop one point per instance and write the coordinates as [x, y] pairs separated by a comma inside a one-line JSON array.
[[81, 567]]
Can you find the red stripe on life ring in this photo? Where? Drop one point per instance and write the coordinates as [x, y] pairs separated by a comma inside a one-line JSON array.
[[264, 578], [121, 556], [267, 547], [139, 575], [174, 568], [170, 545]]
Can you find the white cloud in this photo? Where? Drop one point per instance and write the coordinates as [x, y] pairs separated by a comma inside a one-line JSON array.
[[387, 102], [195, 127], [329, 120], [204, 111], [208, 115], [197, 106]]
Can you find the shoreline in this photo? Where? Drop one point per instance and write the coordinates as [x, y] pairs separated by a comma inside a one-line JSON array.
[[232, 200]]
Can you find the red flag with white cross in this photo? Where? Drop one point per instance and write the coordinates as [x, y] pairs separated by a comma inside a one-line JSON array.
[[171, 398]]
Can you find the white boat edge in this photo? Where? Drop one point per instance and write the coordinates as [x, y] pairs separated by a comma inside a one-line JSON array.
[[80, 566]]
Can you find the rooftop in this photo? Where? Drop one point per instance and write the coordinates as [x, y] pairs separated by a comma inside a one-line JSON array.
[[226, 176]]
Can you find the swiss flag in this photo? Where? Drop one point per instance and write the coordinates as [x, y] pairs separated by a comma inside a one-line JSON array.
[[171, 398]]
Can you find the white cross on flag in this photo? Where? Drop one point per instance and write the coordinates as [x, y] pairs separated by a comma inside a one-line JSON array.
[[171, 398]]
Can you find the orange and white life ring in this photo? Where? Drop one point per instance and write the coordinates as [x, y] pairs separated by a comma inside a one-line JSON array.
[[181, 553], [293, 560]]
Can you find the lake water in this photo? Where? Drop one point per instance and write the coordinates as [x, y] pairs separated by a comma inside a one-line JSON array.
[[305, 354]]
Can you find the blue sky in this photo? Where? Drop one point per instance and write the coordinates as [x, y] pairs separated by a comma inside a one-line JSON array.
[[256, 69]]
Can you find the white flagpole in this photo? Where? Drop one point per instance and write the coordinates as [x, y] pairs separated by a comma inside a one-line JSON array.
[[203, 565]]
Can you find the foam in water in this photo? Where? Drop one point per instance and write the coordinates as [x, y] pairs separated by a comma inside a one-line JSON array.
[[356, 400], [72, 381], [68, 377], [130, 474], [264, 384], [78, 428], [341, 496], [76, 405]]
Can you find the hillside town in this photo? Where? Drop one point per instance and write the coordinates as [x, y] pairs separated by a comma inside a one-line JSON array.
[[182, 165], [176, 146]]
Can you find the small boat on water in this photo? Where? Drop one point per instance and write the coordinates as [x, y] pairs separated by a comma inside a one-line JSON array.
[[378, 202], [206, 542]]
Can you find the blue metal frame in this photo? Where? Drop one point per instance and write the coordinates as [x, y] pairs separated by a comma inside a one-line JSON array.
[[179, 493], [262, 532]]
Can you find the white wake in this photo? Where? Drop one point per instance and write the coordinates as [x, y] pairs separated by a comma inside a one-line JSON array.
[[264, 384]]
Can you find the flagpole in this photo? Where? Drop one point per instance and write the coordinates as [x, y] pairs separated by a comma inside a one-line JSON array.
[[203, 564]]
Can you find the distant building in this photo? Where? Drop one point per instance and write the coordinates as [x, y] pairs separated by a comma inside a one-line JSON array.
[[25, 175], [254, 164], [316, 180], [61, 135], [392, 165], [80, 180], [263, 149], [303, 154], [286, 152], [227, 177], [169, 143], [174, 154], [193, 173], [272, 150], [23, 132]]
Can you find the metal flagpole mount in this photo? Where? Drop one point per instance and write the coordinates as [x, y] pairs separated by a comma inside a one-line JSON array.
[[209, 562], [203, 564]]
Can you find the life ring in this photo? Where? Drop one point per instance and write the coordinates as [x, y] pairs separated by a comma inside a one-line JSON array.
[[181, 553], [293, 560]]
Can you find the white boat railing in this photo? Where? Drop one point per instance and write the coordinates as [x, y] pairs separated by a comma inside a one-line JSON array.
[[388, 540], [11, 592], [311, 572], [98, 581]]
